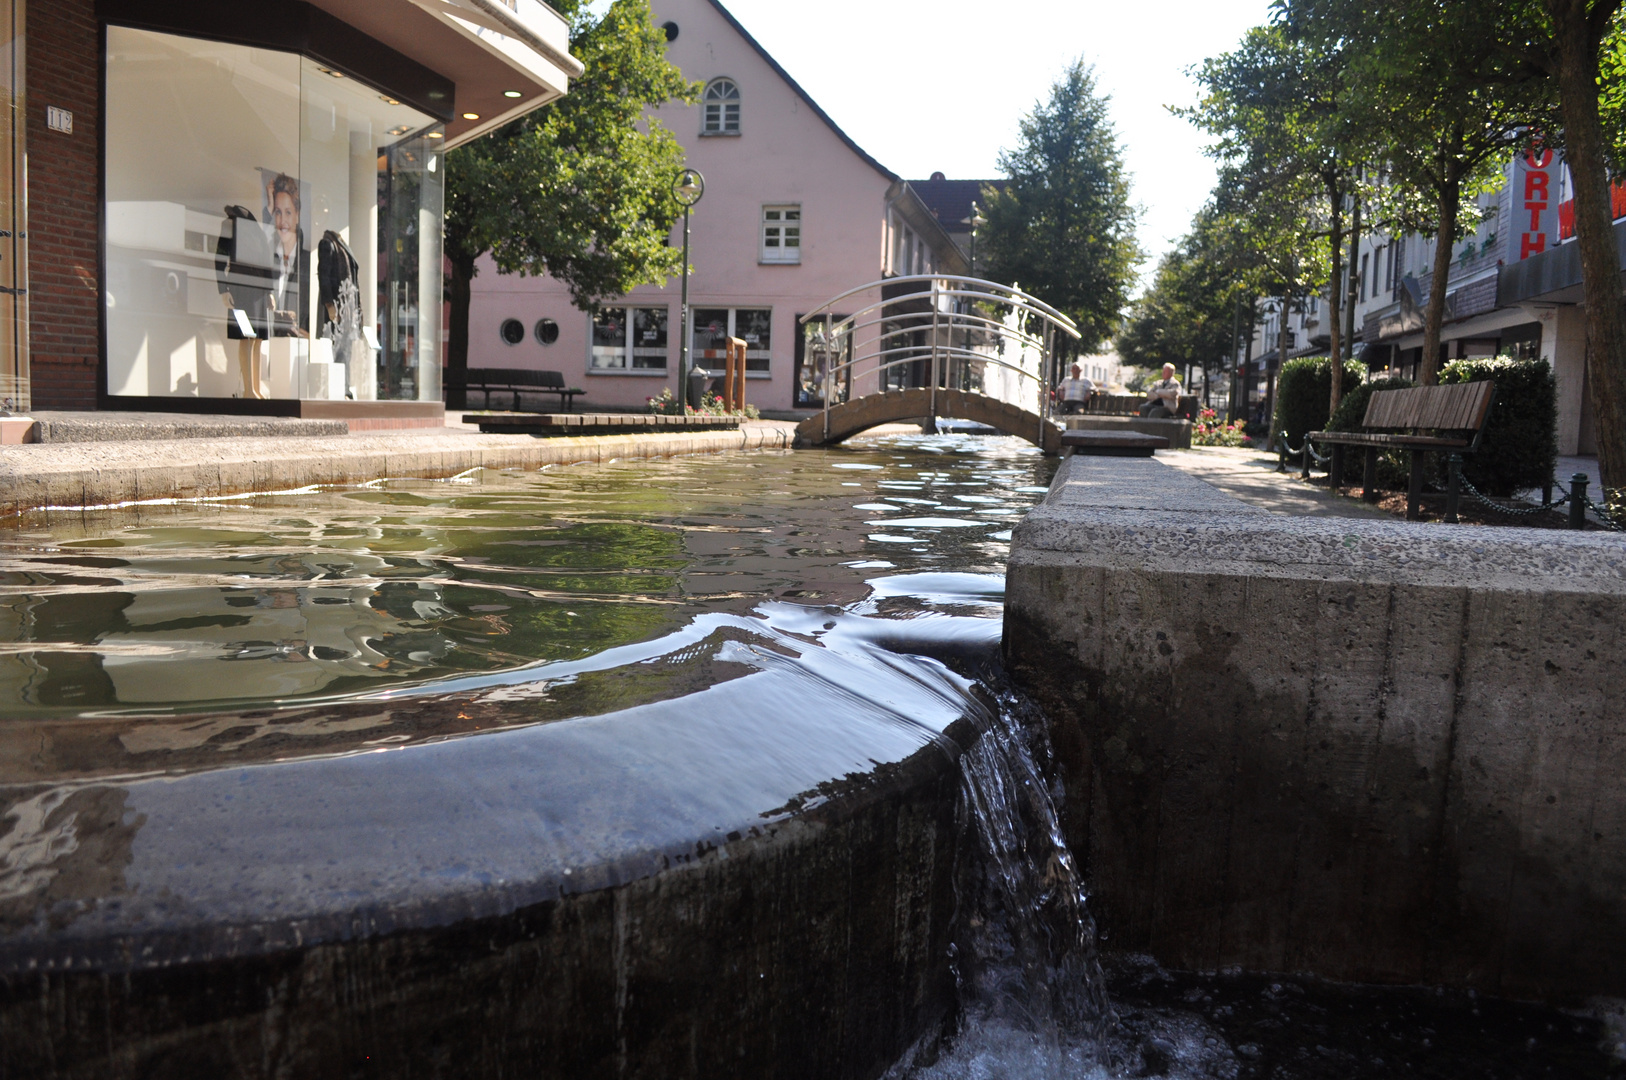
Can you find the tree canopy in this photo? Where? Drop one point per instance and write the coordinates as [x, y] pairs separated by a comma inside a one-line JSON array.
[[1064, 228], [579, 189]]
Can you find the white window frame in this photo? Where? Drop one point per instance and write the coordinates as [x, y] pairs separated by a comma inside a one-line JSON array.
[[780, 235], [720, 115]]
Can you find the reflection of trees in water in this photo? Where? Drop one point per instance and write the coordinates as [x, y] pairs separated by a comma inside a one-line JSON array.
[[185, 627]]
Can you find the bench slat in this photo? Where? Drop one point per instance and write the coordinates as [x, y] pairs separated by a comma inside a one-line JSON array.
[[1459, 407], [1360, 438]]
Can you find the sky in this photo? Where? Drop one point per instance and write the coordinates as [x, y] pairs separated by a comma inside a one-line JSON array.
[[941, 86]]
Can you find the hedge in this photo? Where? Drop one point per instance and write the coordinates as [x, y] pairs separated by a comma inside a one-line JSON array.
[[1303, 389], [1520, 447]]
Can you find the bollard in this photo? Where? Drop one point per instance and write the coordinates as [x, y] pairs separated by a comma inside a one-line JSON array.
[[1304, 467], [1453, 487], [1578, 484]]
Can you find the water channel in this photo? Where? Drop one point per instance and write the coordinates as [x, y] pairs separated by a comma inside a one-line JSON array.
[[152, 650]]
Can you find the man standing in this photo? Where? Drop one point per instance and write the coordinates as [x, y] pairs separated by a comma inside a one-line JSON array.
[[1076, 391], [1163, 396]]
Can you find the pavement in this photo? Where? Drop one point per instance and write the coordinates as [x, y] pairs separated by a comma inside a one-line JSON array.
[[1250, 476]]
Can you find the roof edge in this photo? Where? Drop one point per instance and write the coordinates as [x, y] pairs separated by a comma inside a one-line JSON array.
[[803, 94]]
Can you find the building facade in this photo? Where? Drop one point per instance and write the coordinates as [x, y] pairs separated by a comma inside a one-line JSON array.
[[1514, 289], [236, 208], [794, 213]]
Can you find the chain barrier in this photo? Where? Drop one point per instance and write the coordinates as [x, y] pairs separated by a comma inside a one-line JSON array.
[[1602, 513], [1285, 451]]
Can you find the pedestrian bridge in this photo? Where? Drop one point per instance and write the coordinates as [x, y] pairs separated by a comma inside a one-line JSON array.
[[933, 346], [891, 406]]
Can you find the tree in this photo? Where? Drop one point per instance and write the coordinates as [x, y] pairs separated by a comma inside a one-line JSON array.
[[1565, 39], [580, 189], [1442, 106], [1188, 315], [1063, 227], [1276, 108]]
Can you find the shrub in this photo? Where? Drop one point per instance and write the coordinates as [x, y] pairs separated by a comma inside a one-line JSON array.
[[1520, 447], [1392, 464], [1303, 388], [1209, 430]]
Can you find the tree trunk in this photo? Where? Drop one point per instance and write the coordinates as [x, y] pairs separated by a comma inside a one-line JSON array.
[[1270, 375], [1577, 53], [1335, 238], [1434, 313], [457, 345], [1349, 304]]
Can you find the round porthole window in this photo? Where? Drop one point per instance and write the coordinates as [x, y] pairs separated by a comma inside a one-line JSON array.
[[671, 30], [513, 331], [547, 331]]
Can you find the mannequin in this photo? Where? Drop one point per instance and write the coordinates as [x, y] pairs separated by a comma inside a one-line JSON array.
[[338, 299], [243, 276]]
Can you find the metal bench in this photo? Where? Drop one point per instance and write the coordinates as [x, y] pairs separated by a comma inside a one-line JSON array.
[[1454, 416], [515, 379]]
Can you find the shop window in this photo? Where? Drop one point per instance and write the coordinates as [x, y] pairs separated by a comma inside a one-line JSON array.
[[821, 351], [270, 225], [721, 108], [781, 234], [712, 325], [629, 339]]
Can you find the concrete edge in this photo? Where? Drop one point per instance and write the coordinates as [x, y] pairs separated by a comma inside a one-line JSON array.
[[1125, 524], [48, 477]]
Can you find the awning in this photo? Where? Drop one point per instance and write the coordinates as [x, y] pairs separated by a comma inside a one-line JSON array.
[[506, 57]]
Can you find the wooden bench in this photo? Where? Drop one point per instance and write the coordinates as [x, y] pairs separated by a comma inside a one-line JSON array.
[[1450, 418], [514, 379]]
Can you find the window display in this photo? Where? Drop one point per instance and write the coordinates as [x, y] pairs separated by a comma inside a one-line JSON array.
[[712, 325], [628, 338], [310, 202]]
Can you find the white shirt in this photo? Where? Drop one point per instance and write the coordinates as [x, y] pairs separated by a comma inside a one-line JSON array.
[[1078, 389]]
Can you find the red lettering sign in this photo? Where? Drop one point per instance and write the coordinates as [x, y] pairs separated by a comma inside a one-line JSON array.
[[1532, 244]]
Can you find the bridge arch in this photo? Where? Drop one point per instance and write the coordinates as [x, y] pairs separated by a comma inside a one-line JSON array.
[[859, 414], [932, 345]]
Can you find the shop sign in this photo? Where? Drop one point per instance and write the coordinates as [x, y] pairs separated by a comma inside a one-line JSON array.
[[1535, 200]]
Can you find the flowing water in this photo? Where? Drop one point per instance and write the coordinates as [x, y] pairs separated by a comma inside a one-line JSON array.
[[855, 592]]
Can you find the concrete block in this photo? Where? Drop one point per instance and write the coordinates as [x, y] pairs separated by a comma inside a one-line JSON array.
[[1366, 749]]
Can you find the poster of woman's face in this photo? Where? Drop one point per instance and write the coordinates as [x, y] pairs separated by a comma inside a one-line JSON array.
[[283, 198]]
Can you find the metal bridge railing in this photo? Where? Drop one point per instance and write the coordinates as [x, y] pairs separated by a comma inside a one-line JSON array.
[[956, 328]]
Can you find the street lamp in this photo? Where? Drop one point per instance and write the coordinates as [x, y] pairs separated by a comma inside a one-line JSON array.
[[976, 221], [687, 187]]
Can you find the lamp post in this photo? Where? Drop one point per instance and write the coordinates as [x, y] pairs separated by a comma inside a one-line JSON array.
[[687, 187], [976, 221]]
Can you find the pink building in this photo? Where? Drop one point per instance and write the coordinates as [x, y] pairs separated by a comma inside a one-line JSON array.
[[794, 212]]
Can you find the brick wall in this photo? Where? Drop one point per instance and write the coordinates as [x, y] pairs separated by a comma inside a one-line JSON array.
[[64, 70]]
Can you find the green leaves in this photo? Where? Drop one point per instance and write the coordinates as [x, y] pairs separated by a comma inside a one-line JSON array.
[[580, 189], [1064, 228]]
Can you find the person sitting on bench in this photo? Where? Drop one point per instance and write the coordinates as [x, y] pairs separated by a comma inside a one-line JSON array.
[[1163, 396], [1076, 391]]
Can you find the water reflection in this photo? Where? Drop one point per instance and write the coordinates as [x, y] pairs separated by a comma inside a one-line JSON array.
[[338, 593]]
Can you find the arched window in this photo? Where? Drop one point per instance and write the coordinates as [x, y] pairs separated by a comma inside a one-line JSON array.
[[722, 108]]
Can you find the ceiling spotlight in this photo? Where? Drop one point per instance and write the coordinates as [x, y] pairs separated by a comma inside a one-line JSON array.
[[512, 93], [471, 116], [330, 71], [386, 99], [401, 129], [434, 135]]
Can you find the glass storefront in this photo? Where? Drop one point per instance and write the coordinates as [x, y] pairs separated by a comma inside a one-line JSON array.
[[272, 227]]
